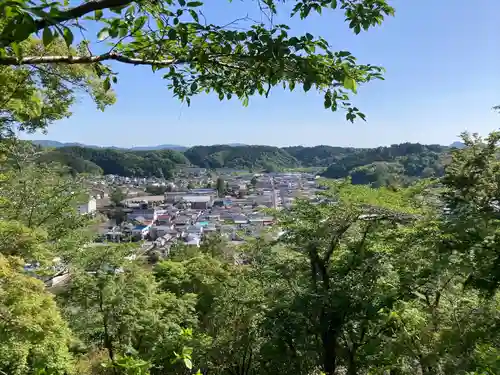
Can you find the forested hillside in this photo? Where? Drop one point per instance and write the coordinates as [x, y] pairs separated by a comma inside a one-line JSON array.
[[379, 166], [120, 162], [245, 157], [400, 164]]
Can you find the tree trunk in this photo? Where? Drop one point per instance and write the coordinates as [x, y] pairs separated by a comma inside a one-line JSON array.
[[108, 342], [351, 362], [329, 340]]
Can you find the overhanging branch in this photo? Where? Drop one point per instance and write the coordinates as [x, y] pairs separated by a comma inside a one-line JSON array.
[[36, 60], [72, 14]]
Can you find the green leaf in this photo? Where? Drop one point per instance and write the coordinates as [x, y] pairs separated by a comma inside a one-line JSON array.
[[334, 4], [25, 27], [328, 100], [106, 84], [139, 22], [123, 31], [103, 34], [159, 23], [307, 86], [194, 15], [16, 48], [47, 36], [98, 14], [350, 84], [172, 34], [117, 10], [188, 363], [182, 2], [194, 87], [245, 101], [68, 36], [194, 4], [419, 295]]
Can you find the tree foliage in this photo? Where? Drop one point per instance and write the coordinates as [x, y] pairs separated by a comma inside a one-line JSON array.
[[240, 59], [117, 196], [400, 164], [32, 97], [33, 337]]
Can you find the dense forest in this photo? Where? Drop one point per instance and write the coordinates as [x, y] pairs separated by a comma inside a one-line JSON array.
[[160, 163], [241, 157], [400, 163]]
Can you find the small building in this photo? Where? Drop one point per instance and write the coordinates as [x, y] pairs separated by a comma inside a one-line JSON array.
[[89, 207], [198, 202]]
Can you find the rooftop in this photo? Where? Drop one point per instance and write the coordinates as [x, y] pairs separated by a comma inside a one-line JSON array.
[[196, 198]]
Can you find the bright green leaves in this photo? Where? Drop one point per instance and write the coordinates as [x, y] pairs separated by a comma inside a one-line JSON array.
[[363, 15], [350, 84], [106, 84], [68, 36], [360, 14], [194, 4], [98, 14], [103, 34], [17, 28], [243, 64]]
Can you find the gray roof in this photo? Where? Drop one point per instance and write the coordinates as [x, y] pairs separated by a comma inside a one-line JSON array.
[[196, 198]]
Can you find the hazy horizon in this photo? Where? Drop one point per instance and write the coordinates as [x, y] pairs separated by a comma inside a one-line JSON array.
[[225, 143]]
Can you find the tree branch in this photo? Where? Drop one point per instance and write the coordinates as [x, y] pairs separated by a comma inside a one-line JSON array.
[[80, 11], [71, 14], [35, 60]]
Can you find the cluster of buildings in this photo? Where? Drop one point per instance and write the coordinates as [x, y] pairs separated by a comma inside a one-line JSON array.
[[182, 215]]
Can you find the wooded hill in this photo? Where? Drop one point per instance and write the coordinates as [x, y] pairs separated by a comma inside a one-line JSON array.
[[401, 162]]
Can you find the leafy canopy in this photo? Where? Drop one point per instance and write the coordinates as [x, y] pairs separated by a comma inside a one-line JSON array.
[[242, 58], [33, 96]]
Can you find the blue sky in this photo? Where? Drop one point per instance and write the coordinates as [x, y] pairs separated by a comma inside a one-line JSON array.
[[443, 76]]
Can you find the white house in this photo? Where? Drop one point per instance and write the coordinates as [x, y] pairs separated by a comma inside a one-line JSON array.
[[88, 208]]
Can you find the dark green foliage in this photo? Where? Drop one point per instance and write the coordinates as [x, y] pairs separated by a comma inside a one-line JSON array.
[[403, 162], [156, 190], [159, 163], [76, 163], [318, 156], [117, 196], [241, 157], [221, 187], [398, 164]]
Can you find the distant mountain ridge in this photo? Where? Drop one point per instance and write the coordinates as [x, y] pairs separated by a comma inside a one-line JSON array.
[[457, 144], [397, 164], [57, 144]]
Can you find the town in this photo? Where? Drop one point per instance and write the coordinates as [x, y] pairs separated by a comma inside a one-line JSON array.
[[197, 204]]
